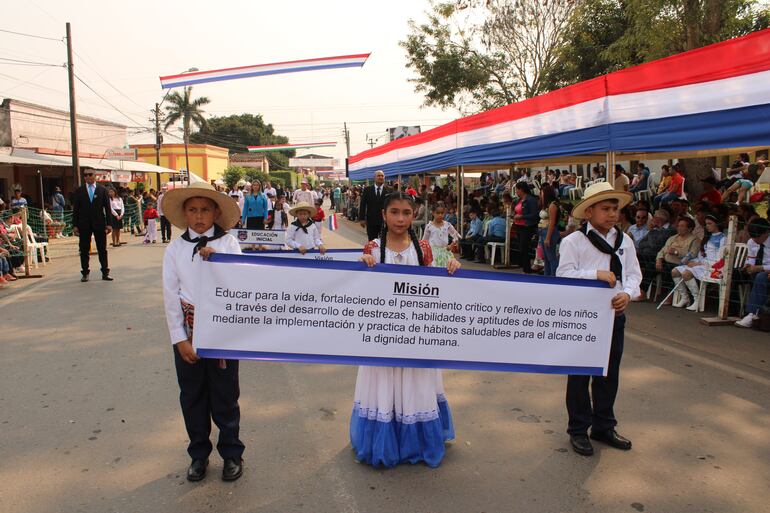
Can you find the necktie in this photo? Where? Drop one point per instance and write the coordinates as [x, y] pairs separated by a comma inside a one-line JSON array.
[[91, 192], [760, 260], [616, 267]]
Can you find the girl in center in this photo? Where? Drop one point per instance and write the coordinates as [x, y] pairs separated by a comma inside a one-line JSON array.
[[400, 414], [437, 234]]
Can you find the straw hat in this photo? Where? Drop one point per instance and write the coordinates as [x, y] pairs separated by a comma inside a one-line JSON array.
[[173, 205], [599, 192], [303, 205]]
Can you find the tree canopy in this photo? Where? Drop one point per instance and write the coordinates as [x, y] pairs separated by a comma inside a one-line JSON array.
[[183, 107], [473, 55], [238, 131]]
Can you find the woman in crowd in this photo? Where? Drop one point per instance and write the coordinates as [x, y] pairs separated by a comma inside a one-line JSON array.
[[548, 229], [255, 208], [526, 217], [399, 414], [697, 267], [627, 218], [678, 248], [118, 210]]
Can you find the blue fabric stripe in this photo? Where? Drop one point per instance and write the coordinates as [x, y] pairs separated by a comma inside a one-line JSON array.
[[731, 128], [230, 354], [403, 269]]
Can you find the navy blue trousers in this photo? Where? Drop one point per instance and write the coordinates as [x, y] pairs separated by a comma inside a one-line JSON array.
[[208, 393], [600, 415]]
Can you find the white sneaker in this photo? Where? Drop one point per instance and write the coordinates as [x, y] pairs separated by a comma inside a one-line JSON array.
[[747, 321], [693, 307], [680, 300]]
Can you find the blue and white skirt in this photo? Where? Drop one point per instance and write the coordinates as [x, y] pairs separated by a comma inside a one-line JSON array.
[[400, 415]]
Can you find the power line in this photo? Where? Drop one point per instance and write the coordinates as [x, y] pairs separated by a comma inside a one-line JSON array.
[[107, 81], [29, 35], [29, 63], [107, 101]]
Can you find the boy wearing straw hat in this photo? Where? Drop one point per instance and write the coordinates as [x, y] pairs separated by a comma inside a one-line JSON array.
[[209, 388], [599, 251], [303, 234]]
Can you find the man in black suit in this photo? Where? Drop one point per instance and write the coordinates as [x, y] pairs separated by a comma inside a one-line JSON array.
[[91, 216], [372, 200]]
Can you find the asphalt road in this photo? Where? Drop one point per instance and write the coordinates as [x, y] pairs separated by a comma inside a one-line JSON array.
[[90, 421]]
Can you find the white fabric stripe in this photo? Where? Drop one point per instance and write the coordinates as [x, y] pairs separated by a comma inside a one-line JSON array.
[[253, 69], [729, 93]]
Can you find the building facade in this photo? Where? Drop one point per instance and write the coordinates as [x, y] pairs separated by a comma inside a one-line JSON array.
[[206, 161]]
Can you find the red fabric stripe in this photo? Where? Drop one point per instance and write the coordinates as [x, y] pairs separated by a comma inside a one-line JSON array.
[[736, 57], [196, 73]]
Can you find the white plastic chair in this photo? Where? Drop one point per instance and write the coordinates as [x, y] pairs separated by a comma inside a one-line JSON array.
[[577, 192], [741, 252]]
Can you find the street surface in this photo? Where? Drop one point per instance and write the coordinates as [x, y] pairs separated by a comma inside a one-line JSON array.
[[90, 419]]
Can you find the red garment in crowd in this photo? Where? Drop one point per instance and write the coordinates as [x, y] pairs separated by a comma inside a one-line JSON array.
[[410, 191], [714, 197], [150, 213], [677, 184], [319, 216]]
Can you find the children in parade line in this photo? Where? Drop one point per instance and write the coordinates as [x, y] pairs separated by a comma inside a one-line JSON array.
[[150, 221], [209, 388], [400, 414], [598, 251], [695, 268], [437, 234], [757, 268], [303, 233]]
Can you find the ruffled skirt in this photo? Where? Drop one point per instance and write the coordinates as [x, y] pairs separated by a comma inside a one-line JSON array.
[[400, 415]]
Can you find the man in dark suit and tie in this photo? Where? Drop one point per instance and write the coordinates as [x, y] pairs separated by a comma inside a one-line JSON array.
[[372, 200], [91, 216]]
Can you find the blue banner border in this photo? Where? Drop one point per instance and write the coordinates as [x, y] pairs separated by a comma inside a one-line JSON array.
[[230, 354], [225, 258]]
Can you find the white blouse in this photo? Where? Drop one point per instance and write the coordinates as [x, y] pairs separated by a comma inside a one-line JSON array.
[[296, 237], [116, 204], [438, 236]]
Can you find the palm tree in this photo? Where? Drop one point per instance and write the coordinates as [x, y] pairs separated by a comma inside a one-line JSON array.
[[182, 106]]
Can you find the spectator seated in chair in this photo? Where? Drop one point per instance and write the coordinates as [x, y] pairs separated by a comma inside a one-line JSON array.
[[757, 268], [679, 249], [696, 268], [472, 236], [651, 244], [495, 233]]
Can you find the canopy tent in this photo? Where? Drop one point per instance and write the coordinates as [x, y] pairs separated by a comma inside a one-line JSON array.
[[713, 97]]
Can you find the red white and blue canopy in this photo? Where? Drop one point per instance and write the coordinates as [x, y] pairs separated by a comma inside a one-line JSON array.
[[275, 68], [713, 97]]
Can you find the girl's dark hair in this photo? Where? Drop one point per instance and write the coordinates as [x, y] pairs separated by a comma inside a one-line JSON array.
[[707, 234], [549, 195], [390, 198], [523, 186]]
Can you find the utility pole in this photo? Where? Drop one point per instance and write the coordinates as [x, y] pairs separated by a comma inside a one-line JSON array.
[[347, 138], [158, 136], [73, 111]]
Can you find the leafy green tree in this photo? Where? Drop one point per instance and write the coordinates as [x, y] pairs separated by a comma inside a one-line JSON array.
[[232, 175], [238, 131], [250, 174], [183, 107]]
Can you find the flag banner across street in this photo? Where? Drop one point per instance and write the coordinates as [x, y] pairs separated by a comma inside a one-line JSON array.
[[344, 255], [311, 311], [262, 237]]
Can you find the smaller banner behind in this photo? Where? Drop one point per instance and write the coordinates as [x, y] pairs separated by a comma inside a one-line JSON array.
[[251, 307]]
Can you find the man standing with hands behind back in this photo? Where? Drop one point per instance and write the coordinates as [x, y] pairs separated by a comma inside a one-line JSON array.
[[372, 201], [91, 215]]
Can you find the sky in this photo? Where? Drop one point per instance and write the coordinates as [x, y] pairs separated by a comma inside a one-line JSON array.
[[123, 47]]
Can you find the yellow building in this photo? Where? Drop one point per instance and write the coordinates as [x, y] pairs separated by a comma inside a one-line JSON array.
[[206, 161]]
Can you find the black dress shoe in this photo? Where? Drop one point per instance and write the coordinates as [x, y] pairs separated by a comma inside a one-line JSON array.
[[612, 438], [107, 277], [232, 470], [581, 445], [197, 470], [84, 278]]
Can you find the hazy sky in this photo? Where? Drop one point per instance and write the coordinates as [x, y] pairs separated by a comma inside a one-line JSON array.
[[130, 44]]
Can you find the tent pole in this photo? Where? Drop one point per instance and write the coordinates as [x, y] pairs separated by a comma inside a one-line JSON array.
[[724, 287], [611, 168], [460, 179]]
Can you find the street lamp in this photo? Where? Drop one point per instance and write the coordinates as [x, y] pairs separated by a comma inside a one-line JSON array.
[[159, 137]]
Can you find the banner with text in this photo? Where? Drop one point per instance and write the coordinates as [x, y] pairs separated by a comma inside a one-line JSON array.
[[262, 237], [254, 307], [335, 255]]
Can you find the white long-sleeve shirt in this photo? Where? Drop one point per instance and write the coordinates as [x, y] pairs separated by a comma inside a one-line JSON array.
[[580, 259], [116, 204], [751, 258], [180, 276], [296, 237]]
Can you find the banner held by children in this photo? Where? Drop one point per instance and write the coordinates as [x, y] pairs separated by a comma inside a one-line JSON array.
[[344, 312], [262, 237]]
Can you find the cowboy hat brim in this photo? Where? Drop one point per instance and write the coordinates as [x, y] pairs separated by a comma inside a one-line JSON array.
[[173, 206], [303, 206], [624, 199]]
